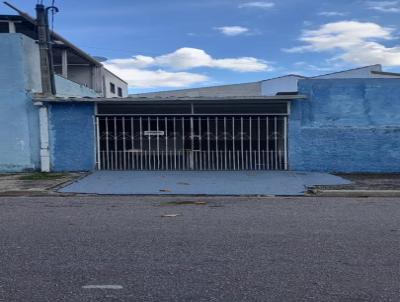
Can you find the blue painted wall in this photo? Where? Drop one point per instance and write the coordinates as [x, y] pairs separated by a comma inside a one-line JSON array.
[[349, 125], [72, 140], [67, 88], [19, 131], [20, 78]]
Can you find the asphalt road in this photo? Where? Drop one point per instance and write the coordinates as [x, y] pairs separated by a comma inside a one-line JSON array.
[[231, 249]]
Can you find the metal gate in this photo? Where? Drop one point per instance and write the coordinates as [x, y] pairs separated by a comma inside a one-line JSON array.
[[226, 142]]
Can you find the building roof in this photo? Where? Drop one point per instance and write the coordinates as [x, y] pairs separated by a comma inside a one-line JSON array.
[[170, 100], [385, 73], [55, 36], [32, 20], [369, 68]]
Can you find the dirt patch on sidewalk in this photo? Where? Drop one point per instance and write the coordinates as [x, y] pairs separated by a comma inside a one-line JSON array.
[[35, 183]]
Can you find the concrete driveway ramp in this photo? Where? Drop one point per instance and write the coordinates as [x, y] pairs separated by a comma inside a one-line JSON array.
[[200, 183]]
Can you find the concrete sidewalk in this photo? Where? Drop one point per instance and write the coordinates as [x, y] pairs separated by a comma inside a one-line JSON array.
[[362, 185], [264, 183]]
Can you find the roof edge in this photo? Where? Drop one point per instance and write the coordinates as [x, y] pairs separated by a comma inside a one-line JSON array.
[[39, 98]]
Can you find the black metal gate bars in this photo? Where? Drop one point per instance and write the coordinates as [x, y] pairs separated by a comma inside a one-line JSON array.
[[226, 142]]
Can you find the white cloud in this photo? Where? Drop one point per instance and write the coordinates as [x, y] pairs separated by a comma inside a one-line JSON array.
[[243, 64], [357, 42], [232, 30], [189, 58], [139, 70], [384, 6], [257, 4], [140, 78], [331, 14], [371, 53]]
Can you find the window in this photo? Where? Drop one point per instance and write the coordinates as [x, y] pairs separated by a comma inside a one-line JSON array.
[[4, 27], [112, 87], [120, 92]]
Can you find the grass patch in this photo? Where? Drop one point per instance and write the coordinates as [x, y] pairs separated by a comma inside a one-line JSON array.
[[42, 176]]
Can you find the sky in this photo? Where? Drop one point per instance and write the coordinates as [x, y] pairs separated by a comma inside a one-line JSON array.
[[162, 45]]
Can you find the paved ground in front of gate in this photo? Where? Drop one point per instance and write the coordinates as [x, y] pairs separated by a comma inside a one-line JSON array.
[[201, 182], [230, 249]]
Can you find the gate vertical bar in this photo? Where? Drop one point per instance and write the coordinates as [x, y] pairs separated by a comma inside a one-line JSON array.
[[241, 142], [216, 143], [99, 161], [133, 166], [267, 142], [191, 158], [183, 144], [208, 144], [276, 142], [225, 145], [149, 141], [166, 143], [124, 142], [259, 143], [107, 145], [115, 144], [285, 149], [233, 143], [200, 145], [251, 144], [174, 143], [141, 142], [158, 146]]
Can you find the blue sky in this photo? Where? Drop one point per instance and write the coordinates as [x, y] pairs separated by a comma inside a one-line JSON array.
[[159, 44]]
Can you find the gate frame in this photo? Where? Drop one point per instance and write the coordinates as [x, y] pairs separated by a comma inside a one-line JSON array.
[[192, 114]]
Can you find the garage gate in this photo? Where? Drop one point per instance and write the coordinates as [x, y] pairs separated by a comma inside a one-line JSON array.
[[212, 141]]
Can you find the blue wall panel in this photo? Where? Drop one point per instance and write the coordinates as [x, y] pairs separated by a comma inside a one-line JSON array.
[[19, 131], [349, 125], [72, 137]]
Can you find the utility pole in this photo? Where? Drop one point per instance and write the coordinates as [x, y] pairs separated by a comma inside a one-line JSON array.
[[45, 50]]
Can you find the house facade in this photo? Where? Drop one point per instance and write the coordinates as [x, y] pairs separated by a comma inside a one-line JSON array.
[[341, 122], [76, 75]]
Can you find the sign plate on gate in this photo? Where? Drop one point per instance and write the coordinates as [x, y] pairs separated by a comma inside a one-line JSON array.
[[154, 133]]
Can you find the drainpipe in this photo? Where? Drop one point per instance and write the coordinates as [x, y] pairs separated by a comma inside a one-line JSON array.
[[47, 74], [48, 83], [44, 138]]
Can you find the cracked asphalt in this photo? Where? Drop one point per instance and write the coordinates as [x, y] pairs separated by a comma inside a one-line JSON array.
[[123, 248]]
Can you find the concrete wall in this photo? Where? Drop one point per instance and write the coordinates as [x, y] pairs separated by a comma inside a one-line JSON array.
[[81, 74], [72, 138], [350, 125], [67, 88], [111, 78], [283, 84], [236, 90], [366, 72], [19, 119], [19, 77]]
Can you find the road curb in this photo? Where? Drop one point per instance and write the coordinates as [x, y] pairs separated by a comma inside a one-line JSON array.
[[355, 193]]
